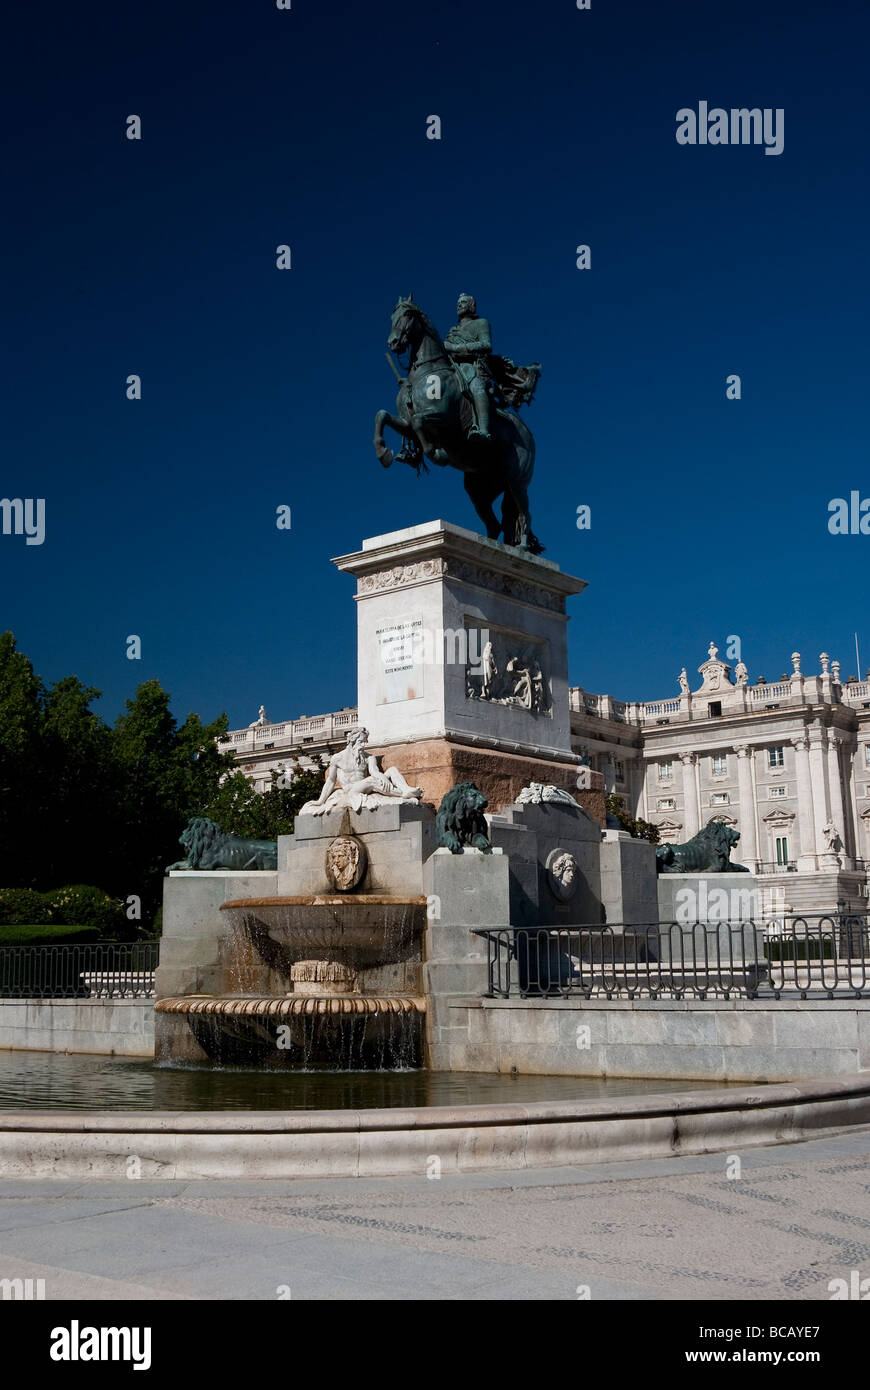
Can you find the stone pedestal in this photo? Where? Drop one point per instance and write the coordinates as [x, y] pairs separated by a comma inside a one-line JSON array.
[[436, 765], [628, 880], [397, 837], [462, 660], [718, 920], [464, 891]]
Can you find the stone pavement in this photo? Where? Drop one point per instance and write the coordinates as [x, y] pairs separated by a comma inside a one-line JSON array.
[[797, 1217]]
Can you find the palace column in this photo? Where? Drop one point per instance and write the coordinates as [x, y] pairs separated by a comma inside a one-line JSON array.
[[820, 789], [692, 809], [835, 789], [748, 838], [806, 823]]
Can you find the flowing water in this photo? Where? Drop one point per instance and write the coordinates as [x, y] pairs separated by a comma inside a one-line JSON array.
[[56, 1081]]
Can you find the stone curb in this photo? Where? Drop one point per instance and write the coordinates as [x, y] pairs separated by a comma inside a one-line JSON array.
[[382, 1143]]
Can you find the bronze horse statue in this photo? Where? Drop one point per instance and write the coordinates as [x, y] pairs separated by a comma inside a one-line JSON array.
[[434, 417]]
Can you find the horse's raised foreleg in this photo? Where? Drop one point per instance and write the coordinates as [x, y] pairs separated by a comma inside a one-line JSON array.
[[394, 422]]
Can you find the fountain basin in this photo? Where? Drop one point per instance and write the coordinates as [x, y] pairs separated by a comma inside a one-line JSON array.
[[300, 1032], [291, 1005], [322, 981], [350, 933]]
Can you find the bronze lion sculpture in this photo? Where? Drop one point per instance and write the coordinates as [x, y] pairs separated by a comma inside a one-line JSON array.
[[209, 847], [708, 852], [460, 821]]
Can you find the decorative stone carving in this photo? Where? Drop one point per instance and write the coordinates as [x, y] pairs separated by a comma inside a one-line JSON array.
[[505, 584], [833, 840], [741, 673], [825, 660], [716, 674], [536, 793], [670, 829], [796, 662], [440, 567], [355, 781], [507, 676], [562, 874], [490, 673], [684, 682], [346, 862], [399, 575]]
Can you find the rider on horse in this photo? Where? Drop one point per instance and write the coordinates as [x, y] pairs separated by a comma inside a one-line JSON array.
[[470, 346], [486, 377]]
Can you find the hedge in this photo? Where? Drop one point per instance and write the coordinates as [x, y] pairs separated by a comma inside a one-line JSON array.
[[77, 905], [39, 935]]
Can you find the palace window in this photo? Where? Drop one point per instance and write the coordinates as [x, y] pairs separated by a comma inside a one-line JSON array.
[[666, 771], [714, 709], [666, 803], [720, 799], [618, 770], [867, 754], [777, 791], [720, 764], [781, 849], [775, 757]]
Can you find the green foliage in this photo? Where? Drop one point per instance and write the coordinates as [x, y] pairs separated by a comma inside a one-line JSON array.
[[82, 905], [240, 810], [80, 799], [788, 948], [29, 934], [19, 905], [638, 829], [79, 905]]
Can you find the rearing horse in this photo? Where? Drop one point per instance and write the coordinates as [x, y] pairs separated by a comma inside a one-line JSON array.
[[433, 415]]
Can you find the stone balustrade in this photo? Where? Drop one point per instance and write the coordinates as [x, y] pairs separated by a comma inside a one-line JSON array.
[[321, 728]]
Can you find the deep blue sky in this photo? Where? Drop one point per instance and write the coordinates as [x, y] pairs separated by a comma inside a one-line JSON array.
[[307, 127]]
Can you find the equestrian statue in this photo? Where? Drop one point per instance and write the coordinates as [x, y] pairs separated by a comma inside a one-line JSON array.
[[457, 406]]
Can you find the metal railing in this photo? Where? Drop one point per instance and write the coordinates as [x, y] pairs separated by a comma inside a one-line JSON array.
[[93, 970], [820, 955], [775, 867]]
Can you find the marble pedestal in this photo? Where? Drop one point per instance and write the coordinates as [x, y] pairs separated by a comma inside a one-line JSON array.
[[462, 661]]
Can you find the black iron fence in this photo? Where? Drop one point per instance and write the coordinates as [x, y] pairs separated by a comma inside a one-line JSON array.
[[89, 971], [819, 955]]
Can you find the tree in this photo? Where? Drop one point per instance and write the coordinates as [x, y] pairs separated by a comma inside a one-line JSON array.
[[83, 803], [163, 775], [22, 766], [77, 762], [241, 810]]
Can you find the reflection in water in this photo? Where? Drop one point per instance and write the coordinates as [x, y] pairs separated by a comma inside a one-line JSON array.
[[49, 1081]]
